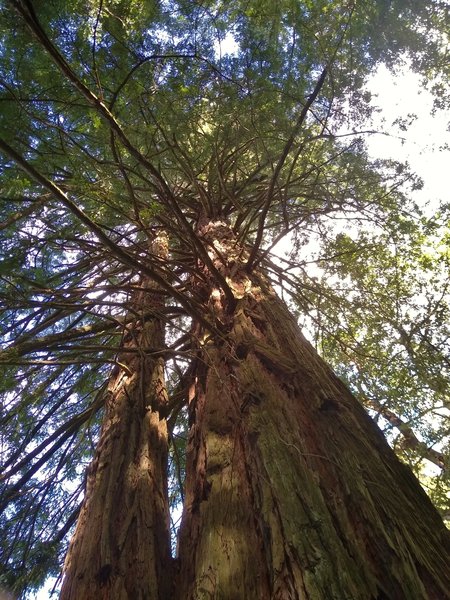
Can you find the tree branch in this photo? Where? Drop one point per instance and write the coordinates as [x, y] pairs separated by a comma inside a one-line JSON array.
[[408, 434], [251, 263], [119, 252]]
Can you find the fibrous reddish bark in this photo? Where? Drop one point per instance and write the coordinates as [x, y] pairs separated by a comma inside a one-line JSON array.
[[121, 546], [292, 491]]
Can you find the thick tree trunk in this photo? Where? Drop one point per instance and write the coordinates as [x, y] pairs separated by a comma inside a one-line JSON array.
[[121, 546], [292, 491]]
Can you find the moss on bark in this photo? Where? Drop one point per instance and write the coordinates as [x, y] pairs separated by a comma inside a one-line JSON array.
[[292, 490]]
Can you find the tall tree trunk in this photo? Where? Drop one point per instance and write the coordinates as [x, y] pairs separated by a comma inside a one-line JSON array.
[[121, 546], [292, 491]]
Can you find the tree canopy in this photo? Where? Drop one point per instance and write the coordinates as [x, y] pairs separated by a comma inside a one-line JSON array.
[[122, 122]]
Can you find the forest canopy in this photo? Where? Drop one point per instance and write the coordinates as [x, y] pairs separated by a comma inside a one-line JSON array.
[[124, 126]]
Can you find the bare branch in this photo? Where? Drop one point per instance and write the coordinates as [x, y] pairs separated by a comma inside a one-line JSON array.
[[251, 263]]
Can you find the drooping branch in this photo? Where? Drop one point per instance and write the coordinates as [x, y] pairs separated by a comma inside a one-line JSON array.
[[251, 263], [59, 436], [409, 437], [118, 251]]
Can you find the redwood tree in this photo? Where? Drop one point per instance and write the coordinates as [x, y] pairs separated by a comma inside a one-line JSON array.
[[153, 155], [122, 534]]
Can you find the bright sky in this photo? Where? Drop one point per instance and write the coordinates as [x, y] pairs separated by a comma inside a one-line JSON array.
[[426, 143]]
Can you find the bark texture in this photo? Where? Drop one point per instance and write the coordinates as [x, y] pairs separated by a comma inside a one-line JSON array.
[[292, 491], [121, 546]]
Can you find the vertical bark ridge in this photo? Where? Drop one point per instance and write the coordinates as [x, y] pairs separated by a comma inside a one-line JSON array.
[[121, 546], [224, 538]]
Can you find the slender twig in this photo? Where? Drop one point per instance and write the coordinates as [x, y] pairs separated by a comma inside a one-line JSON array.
[[252, 259]]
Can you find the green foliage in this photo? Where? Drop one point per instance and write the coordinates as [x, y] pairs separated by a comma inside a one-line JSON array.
[[382, 304], [120, 119]]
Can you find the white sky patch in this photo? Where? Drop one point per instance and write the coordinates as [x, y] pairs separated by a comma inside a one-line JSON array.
[[227, 46], [45, 593], [425, 144]]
